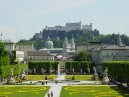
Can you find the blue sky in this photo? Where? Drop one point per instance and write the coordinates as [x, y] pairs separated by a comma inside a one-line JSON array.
[[21, 19]]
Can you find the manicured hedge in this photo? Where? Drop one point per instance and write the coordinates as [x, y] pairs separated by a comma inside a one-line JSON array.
[[17, 69], [118, 70], [46, 65], [78, 66]]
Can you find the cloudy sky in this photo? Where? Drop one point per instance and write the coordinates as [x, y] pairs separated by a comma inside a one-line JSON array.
[[21, 19]]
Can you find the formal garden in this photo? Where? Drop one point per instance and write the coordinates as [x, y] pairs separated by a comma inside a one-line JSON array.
[[78, 78], [23, 91], [93, 91]]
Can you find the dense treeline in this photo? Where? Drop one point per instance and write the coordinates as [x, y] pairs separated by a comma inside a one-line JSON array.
[[112, 39], [118, 70], [78, 67], [5, 60], [42, 67], [17, 69], [4, 55], [80, 38]]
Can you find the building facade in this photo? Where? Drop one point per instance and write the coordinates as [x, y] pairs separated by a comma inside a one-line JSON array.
[[10, 46], [25, 48], [40, 55], [19, 56], [103, 52]]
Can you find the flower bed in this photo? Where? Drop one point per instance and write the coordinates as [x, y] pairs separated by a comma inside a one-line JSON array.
[[93, 91], [23, 91]]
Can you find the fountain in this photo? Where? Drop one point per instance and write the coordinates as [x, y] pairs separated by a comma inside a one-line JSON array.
[[60, 77], [58, 72]]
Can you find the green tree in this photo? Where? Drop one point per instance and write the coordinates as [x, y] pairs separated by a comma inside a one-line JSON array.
[[82, 56], [4, 55]]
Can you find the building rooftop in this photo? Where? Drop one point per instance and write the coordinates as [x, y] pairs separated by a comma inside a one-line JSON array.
[[115, 47], [38, 53], [110, 47], [53, 49]]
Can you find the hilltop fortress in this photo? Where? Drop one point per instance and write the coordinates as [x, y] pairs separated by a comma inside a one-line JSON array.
[[55, 32], [70, 27]]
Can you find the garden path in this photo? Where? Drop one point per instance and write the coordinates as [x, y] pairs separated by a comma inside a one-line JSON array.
[[56, 88]]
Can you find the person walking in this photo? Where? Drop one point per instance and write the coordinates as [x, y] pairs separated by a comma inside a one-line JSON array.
[[51, 94], [46, 82], [48, 93]]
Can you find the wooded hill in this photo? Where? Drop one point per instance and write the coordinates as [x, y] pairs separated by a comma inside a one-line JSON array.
[[79, 38]]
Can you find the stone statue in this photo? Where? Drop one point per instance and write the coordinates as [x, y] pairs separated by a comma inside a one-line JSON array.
[[42, 70], [11, 79], [95, 75], [105, 74], [81, 71], [23, 75], [105, 79], [11, 72], [73, 71], [34, 71], [89, 70], [94, 69]]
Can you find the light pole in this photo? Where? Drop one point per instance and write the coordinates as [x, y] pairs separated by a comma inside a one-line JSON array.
[[0, 36]]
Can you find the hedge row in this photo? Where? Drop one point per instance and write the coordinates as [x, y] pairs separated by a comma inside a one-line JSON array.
[[46, 65], [78, 66], [17, 69], [70, 65], [118, 70]]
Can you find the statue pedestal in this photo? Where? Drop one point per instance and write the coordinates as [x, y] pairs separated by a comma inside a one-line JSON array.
[[95, 77], [24, 77], [105, 80], [11, 80]]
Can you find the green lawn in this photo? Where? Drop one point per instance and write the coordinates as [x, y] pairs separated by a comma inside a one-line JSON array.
[[53, 77], [41, 77], [23, 91], [79, 77], [92, 91]]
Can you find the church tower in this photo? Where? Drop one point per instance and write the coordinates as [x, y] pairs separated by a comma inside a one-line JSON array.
[[72, 43], [119, 41], [66, 46]]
